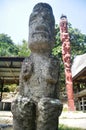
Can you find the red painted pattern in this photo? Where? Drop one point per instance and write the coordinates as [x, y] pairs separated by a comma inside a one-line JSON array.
[[66, 56]]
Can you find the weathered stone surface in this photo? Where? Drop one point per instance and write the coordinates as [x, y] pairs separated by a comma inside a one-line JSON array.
[[49, 110], [42, 81], [41, 28], [36, 106], [23, 110]]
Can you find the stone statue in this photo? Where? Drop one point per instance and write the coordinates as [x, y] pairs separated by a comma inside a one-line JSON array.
[[37, 106]]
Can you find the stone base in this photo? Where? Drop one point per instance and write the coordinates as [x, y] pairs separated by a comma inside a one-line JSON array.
[[48, 112], [43, 115], [23, 110]]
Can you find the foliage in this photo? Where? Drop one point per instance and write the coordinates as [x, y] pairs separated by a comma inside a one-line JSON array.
[[77, 40], [12, 87], [23, 49], [63, 127], [57, 51], [7, 47], [78, 47], [5, 89], [9, 88]]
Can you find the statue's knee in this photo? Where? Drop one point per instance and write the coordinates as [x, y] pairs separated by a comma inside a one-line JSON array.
[[50, 106], [22, 107], [48, 112]]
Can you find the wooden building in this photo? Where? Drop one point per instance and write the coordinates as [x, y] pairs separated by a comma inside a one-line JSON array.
[[79, 81], [9, 71]]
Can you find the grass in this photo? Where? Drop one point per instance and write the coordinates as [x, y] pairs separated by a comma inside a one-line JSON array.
[[63, 127]]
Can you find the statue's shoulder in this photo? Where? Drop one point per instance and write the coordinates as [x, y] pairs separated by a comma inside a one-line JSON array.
[[27, 61], [27, 68]]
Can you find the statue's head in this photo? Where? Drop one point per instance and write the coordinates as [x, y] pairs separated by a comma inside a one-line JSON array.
[[41, 28]]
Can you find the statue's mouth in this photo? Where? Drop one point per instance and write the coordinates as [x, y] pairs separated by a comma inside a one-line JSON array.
[[42, 28], [41, 33]]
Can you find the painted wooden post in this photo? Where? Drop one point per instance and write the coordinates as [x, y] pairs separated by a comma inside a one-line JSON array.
[[64, 35]]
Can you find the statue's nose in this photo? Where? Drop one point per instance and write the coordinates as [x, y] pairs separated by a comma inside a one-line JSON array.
[[41, 28]]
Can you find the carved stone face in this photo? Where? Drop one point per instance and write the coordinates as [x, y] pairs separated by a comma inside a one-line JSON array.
[[41, 28]]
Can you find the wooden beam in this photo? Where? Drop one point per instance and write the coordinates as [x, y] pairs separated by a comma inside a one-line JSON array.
[[80, 94], [16, 59]]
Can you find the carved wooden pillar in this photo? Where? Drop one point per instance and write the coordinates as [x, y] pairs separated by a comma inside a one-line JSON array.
[[64, 35]]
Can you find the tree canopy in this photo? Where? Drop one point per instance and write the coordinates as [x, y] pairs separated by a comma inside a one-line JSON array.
[[7, 47], [77, 40], [78, 47], [24, 49]]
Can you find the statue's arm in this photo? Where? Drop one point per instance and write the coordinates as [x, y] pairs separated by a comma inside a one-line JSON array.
[[53, 74], [27, 68]]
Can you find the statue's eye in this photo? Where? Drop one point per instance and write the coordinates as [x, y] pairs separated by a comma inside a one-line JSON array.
[[33, 16]]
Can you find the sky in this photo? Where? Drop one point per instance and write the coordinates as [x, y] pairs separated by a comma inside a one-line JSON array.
[[14, 15]]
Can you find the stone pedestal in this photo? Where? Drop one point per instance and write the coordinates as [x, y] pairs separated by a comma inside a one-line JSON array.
[[24, 114], [48, 112], [41, 116]]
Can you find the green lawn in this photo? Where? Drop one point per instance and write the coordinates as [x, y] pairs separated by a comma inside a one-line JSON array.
[[63, 127]]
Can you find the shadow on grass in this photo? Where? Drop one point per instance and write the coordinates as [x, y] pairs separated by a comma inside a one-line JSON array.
[[63, 127]]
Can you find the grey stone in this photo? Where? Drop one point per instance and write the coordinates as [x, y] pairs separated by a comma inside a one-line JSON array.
[[49, 110], [37, 106], [41, 28]]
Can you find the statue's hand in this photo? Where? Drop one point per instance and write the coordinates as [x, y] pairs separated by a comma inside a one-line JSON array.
[[27, 69], [53, 71]]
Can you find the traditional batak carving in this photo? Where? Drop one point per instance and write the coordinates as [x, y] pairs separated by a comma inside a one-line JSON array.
[[64, 35], [37, 106]]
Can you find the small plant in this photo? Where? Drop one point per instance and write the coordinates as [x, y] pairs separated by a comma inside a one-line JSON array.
[[12, 87]]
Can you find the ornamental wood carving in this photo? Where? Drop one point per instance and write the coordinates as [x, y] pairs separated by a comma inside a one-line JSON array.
[[66, 56]]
